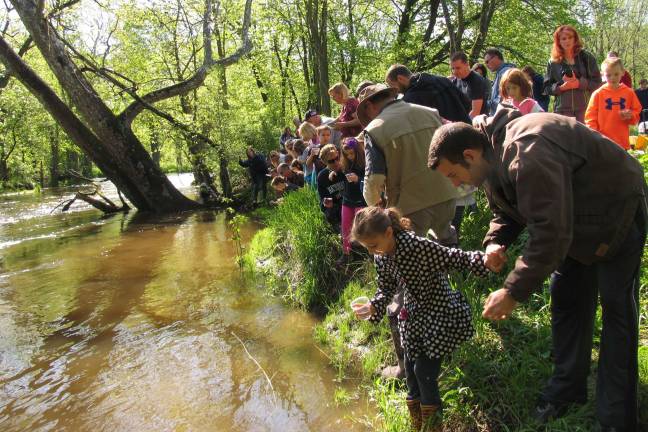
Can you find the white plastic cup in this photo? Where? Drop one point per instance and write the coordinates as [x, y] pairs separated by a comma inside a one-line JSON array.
[[360, 301]]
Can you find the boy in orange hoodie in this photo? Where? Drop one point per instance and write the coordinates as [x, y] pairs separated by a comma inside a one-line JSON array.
[[614, 106]]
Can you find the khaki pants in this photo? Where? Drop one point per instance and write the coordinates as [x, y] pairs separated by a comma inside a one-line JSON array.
[[438, 218]]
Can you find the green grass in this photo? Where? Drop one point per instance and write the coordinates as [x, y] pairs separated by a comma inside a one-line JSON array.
[[303, 249], [490, 383]]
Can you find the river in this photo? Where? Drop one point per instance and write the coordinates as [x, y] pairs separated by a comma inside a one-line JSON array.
[[136, 323]]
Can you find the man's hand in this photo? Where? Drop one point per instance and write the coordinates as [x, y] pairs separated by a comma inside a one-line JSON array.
[[352, 177], [499, 305], [495, 257], [479, 121]]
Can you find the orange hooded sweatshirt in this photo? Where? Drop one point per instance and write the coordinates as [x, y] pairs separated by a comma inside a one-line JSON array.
[[604, 112]]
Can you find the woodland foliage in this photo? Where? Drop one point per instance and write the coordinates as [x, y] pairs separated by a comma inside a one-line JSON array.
[[299, 49]]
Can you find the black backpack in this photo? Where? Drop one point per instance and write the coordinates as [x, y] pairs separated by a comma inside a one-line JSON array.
[[439, 92]]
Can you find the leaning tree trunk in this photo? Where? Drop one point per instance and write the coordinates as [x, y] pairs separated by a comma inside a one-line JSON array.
[[109, 143], [105, 138]]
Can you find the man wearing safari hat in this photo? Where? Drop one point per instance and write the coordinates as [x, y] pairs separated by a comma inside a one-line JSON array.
[[397, 136]]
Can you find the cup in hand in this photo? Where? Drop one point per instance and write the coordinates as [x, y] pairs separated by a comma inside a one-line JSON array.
[[361, 307]]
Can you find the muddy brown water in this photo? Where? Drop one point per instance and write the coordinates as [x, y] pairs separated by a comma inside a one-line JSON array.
[[132, 323]]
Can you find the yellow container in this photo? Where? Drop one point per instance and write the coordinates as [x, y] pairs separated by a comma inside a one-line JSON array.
[[642, 142]]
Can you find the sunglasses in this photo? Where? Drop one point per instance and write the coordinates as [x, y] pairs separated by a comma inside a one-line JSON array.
[[335, 159]]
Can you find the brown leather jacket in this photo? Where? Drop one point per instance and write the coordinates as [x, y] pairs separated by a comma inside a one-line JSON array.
[[575, 191]]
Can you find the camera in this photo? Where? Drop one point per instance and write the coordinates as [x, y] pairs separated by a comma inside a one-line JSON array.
[[567, 70]]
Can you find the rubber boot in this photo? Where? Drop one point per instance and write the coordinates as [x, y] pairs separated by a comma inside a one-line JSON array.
[[399, 370], [414, 407], [428, 414]]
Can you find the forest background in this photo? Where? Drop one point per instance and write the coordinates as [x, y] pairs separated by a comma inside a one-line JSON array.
[[222, 80]]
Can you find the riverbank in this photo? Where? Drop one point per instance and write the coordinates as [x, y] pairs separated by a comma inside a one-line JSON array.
[[491, 382]]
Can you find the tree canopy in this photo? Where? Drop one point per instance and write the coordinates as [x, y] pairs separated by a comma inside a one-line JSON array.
[[162, 86]]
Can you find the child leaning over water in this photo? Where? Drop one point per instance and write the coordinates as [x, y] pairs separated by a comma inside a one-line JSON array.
[[435, 319]]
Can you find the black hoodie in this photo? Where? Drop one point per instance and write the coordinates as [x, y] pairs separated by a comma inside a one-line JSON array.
[[438, 92]]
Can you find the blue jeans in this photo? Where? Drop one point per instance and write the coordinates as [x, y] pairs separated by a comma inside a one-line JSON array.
[[259, 185]]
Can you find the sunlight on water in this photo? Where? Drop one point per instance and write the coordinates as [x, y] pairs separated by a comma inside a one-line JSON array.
[[130, 323]]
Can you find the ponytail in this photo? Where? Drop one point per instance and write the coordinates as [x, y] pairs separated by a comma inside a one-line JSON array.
[[372, 221]]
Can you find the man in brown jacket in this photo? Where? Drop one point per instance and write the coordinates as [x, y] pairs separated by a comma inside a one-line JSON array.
[[582, 200]]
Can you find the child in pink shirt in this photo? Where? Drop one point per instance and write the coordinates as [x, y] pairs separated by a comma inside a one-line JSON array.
[[516, 90]]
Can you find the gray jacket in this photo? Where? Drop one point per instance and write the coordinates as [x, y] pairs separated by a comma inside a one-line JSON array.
[[587, 71]]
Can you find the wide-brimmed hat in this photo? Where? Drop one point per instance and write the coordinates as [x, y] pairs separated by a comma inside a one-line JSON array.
[[368, 93]]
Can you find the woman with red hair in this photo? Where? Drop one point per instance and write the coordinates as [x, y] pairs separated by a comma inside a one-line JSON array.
[[572, 73]]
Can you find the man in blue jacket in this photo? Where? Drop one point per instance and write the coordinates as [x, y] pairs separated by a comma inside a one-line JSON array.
[[494, 61]]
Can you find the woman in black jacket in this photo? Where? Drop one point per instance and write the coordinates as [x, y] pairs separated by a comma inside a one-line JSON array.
[[572, 74], [258, 169]]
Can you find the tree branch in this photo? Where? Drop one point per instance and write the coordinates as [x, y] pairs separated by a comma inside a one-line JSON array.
[[27, 44], [195, 81]]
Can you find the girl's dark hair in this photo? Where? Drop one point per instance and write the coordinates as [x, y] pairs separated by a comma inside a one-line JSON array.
[[481, 69], [297, 164], [372, 221], [529, 70], [517, 77], [358, 147], [299, 146]]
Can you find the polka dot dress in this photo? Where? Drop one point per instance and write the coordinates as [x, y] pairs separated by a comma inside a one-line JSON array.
[[437, 318]]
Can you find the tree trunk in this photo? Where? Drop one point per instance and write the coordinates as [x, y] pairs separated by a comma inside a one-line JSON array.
[[155, 147], [4, 169], [107, 141], [432, 19], [226, 184], [316, 21], [487, 11], [54, 157]]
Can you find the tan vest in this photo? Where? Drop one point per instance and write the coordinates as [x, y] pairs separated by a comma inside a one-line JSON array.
[[403, 132]]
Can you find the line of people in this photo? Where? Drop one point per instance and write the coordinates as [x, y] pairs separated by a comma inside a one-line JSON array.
[[578, 194]]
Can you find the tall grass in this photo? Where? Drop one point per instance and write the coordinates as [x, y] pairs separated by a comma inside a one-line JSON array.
[[303, 248]]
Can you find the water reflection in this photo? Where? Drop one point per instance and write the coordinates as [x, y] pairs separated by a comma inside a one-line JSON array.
[[129, 322]]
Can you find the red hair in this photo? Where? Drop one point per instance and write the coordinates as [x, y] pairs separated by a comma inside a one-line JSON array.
[[557, 52]]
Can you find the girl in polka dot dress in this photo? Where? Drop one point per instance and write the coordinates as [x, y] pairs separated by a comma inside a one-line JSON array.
[[435, 319]]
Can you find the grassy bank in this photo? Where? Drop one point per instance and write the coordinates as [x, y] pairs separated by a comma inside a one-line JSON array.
[[491, 382]]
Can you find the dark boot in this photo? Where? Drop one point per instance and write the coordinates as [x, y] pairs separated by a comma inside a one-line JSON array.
[[414, 407], [428, 418]]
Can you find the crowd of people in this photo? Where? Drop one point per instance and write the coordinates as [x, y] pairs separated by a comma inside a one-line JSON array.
[[397, 169]]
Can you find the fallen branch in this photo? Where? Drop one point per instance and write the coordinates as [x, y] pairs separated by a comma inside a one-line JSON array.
[[106, 205]]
